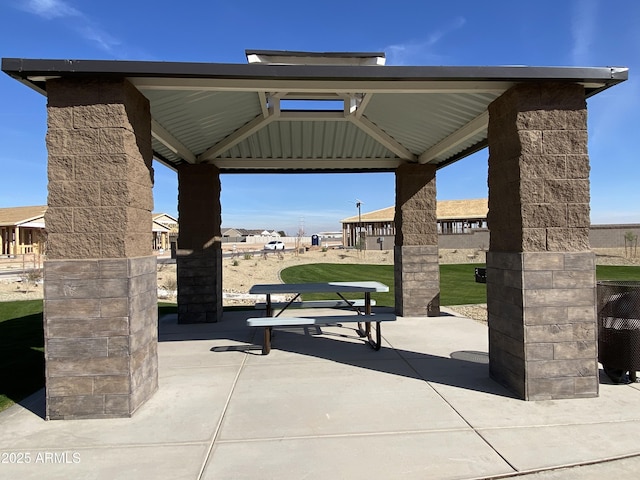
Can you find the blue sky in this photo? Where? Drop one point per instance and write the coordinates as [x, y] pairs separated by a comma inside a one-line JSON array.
[[504, 32]]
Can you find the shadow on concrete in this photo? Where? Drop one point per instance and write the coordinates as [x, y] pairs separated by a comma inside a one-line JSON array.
[[463, 369]]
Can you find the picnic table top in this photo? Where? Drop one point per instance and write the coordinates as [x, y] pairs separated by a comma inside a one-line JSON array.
[[365, 286]]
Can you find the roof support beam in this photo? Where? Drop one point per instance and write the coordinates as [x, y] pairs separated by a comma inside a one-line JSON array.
[[366, 98], [306, 163], [262, 96], [320, 86], [172, 143], [240, 134], [472, 128], [382, 137]]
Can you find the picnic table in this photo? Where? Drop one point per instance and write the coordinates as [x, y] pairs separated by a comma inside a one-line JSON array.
[[339, 288]]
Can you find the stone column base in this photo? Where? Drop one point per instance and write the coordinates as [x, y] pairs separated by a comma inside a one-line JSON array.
[[542, 323], [101, 336], [417, 281], [199, 285]]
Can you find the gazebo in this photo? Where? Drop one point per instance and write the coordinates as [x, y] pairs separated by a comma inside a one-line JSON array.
[[300, 112]]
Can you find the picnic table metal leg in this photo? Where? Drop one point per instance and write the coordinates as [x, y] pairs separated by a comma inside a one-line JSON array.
[[378, 343], [266, 344], [366, 331], [269, 311]]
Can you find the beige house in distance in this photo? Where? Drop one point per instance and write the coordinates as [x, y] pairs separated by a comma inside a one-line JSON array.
[[453, 216], [23, 231]]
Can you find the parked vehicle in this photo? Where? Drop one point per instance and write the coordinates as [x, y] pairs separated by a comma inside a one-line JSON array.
[[274, 245]]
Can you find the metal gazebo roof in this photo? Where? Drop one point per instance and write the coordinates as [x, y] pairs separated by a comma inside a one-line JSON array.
[[322, 117]]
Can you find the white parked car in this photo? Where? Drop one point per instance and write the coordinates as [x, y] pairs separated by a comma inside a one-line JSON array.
[[274, 245]]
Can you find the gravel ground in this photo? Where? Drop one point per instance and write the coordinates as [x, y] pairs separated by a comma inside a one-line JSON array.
[[240, 273]]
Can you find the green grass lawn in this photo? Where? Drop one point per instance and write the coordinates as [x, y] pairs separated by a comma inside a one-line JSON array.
[[22, 338], [457, 282], [21, 350]]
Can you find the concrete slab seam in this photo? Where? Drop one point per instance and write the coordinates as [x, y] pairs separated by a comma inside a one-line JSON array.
[[523, 473], [455, 410], [216, 432]]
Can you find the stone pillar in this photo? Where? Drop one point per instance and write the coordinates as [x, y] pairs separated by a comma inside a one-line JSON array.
[[199, 254], [540, 270], [100, 287], [416, 272]]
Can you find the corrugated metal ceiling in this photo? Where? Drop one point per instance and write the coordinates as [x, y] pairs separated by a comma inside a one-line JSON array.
[[229, 114]]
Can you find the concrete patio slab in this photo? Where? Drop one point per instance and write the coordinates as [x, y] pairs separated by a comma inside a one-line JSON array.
[[325, 405], [176, 462], [186, 408], [299, 400], [438, 455], [530, 448]]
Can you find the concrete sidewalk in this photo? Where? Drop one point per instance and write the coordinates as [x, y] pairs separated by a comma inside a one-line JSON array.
[[323, 405]]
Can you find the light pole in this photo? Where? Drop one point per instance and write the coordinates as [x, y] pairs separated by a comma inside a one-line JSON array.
[[359, 231]]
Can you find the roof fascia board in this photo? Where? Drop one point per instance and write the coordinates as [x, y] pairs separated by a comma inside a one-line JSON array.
[[29, 67]]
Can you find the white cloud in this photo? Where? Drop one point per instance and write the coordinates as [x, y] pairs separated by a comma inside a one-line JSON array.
[[59, 10], [94, 34], [583, 27], [51, 9], [417, 52]]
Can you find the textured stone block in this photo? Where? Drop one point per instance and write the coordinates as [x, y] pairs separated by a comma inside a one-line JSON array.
[[57, 348], [539, 351], [85, 327], [99, 116], [565, 142], [70, 270], [541, 167], [87, 366], [78, 141], [73, 194], [557, 369], [575, 350], [546, 316], [585, 261], [113, 268], [574, 279], [568, 239], [117, 405], [551, 388], [537, 279], [559, 297], [549, 333], [72, 307], [118, 384], [76, 406], [69, 386], [119, 346], [61, 118], [587, 386], [577, 166], [114, 307], [61, 168]]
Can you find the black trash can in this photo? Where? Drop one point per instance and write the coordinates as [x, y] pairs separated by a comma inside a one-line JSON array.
[[481, 275], [315, 240], [619, 329]]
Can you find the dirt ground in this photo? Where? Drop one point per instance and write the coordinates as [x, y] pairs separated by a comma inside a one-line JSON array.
[[239, 273]]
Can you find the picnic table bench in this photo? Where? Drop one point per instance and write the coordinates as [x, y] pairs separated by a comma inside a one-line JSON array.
[[366, 318]]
